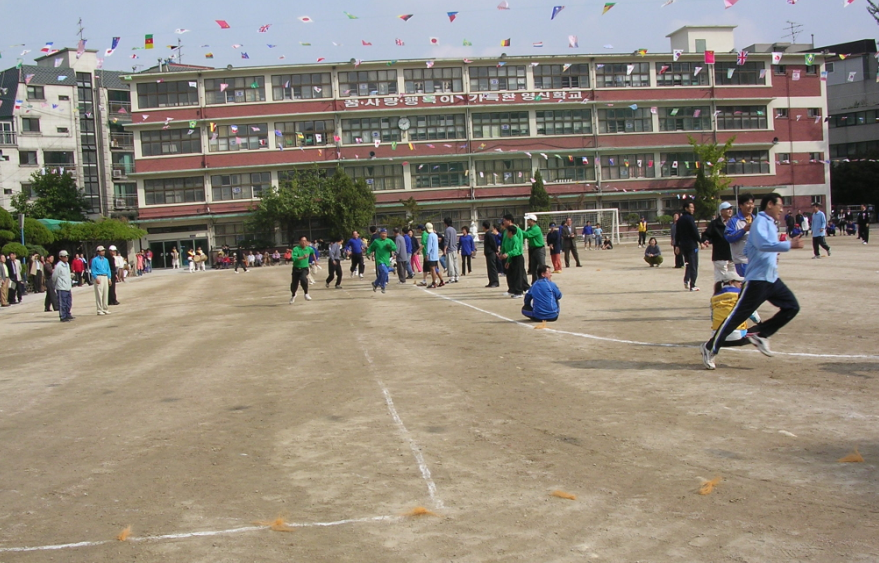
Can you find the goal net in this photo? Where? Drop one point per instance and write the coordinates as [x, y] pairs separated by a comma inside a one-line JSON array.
[[609, 219]]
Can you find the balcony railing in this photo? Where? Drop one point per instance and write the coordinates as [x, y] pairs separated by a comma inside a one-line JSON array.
[[121, 170], [120, 111], [122, 141], [125, 202], [60, 166], [7, 138]]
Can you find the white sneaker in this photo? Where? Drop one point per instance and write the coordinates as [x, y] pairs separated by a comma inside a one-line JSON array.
[[686, 286], [361, 276], [694, 289], [292, 299], [707, 356], [307, 297], [506, 294], [107, 312], [761, 343]]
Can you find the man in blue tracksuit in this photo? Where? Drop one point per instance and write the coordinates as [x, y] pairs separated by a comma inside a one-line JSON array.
[[354, 249], [761, 284], [542, 300], [819, 231]]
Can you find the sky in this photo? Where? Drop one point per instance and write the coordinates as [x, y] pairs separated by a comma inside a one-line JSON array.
[[336, 37]]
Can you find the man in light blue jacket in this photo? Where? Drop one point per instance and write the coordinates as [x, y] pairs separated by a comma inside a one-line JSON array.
[[761, 284], [819, 231]]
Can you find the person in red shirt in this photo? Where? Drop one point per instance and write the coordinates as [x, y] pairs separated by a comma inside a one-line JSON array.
[[78, 268]]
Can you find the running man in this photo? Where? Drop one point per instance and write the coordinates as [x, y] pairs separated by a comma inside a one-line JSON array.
[[354, 249], [383, 248], [334, 262], [301, 253], [761, 284]]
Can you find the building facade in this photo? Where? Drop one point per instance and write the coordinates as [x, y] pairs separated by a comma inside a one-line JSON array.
[[66, 114], [464, 138]]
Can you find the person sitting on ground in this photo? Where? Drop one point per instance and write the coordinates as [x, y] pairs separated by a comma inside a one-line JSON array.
[[606, 244], [542, 300], [722, 304], [653, 255]]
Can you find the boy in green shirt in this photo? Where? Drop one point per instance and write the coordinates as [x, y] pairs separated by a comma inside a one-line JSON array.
[[383, 248], [511, 252], [300, 268]]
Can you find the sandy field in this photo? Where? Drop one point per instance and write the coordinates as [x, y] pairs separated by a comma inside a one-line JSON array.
[[205, 407]]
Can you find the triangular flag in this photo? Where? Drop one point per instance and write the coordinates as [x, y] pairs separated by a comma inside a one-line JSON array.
[[452, 16], [573, 43], [406, 17], [677, 54], [467, 43], [504, 5], [727, 4], [305, 19], [434, 40], [555, 11], [607, 7], [223, 24], [350, 16]]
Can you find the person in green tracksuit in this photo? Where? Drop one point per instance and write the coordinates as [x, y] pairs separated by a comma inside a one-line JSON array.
[[536, 246], [514, 262], [383, 248], [300, 268]]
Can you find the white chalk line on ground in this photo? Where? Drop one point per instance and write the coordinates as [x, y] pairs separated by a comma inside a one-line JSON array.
[[530, 325], [413, 445], [138, 539]]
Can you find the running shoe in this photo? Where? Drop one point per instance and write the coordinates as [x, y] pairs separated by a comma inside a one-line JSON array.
[[442, 283], [292, 299], [374, 288], [694, 289], [707, 356], [307, 297], [761, 343], [383, 290], [328, 285]]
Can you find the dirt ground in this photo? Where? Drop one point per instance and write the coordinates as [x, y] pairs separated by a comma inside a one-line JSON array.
[[206, 403]]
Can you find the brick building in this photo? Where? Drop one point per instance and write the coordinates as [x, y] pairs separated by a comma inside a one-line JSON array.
[[464, 137]]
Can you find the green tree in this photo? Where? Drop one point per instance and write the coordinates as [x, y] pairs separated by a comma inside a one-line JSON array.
[[539, 200], [7, 227], [853, 183], [298, 200], [413, 210], [105, 230], [664, 220], [36, 233], [349, 204], [632, 219], [56, 197], [15, 247], [710, 176]]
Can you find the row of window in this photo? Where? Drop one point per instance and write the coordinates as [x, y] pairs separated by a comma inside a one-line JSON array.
[[361, 83], [852, 119], [50, 158], [855, 150], [382, 177], [494, 125]]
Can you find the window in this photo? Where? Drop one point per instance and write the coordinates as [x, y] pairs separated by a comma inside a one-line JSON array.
[[829, 67], [500, 124], [567, 170], [677, 164], [787, 200], [63, 130], [166, 94], [816, 157], [818, 199], [304, 133], [554, 77], [367, 83], [370, 129], [741, 117], [170, 141], [814, 112], [433, 80], [294, 175], [235, 90], [645, 207], [564, 122], [681, 74], [125, 195], [380, 177], [27, 158], [234, 138], [747, 162], [496, 78], [239, 186], [493, 172], [622, 75], [627, 166], [782, 158], [780, 70], [302, 86], [57, 158], [7, 134], [438, 127], [748, 73], [27, 190], [30, 124], [812, 69], [230, 234], [173, 190], [701, 45], [35, 93], [685, 118], [7, 191], [624, 120], [63, 98], [439, 175], [781, 113]]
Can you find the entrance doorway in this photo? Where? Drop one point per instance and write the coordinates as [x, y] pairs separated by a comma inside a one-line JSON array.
[[162, 251]]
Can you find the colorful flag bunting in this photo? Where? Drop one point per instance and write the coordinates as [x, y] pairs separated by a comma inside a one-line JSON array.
[[350, 16], [180, 31], [742, 58], [399, 42], [709, 57], [810, 59], [223, 24], [504, 5], [537, 44], [727, 4], [676, 54], [452, 16], [406, 17], [607, 7], [244, 55], [148, 41], [505, 42], [265, 28], [555, 11], [48, 47], [434, 40], [209, 55], [365, 43], [467, 43], [573, 43]]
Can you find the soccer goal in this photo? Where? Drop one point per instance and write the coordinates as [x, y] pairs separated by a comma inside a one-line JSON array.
[[609, 219]]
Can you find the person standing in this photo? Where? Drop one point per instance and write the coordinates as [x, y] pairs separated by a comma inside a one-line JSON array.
[[737, 229], [587, 237], [466, 248], [301, 254], [334, 263], [77, 266], [113, 261], [4, 282], [511, 252], [36, 272], [489, 249], [715, 235], [240, 259], [687, 239], [536, 245], [819, 231], [542, 299], [354, 249], [432, 255], [642, 233], [402, 255], [569, 243], [175, 258], [16, 282], [201, 259], [554, 242], [450, 249], [520, 244], [864, 224], [673, 231], [761, 284], [63, 284], [598, 236], [50, 303], [382, 248], [103, 281], [407, 240], [415, 254]]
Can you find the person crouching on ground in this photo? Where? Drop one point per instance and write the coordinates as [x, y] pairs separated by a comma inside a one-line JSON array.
[[542, 300], [653, 255], [722, 304]]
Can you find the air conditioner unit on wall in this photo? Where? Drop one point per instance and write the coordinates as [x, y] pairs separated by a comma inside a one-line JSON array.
[[120, 204], [117, 173]]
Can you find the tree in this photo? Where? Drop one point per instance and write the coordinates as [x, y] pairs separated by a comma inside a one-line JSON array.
[[710, 176], [57, 197], [16, 247], [106, 230], [298, 200], [7, 227], [36, 233], [854, 182], [349, 205], [413, 210], [632, 219], [539, 200], [664, 220]]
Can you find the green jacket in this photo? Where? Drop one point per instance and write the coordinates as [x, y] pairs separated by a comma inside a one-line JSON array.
[[383, 250], [534, 234], [512, 246]]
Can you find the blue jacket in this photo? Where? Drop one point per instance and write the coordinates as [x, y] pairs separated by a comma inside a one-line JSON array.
[[465, 245], [587, 230], [408, 241], [100, 266], [762, 249], [432, 247], [544, 297], [819, 224], [354, 246]]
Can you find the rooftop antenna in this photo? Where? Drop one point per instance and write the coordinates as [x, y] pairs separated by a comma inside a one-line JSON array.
[[793, 29], [179, 51], [80, 29]]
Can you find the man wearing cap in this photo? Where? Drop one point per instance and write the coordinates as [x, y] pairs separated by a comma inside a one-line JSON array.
[[737, 229], [536, 246], [721, 255], [431, 256], [569, 243], [63, 286], [819, 231], [113, 262], [554, 242], [450, 250], [383, 248], [103, 281]]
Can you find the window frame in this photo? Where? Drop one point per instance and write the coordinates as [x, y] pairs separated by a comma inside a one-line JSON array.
[[149, 94], [675, 75], [606, 116], [33, 90], [684, 116], [166, 138], [423, 130], [666, 160], [255, 140], [506, 78], [391, 177], [745, 113], [27, 124], [510, 121], [567, 171], [575, 73], [619, 171], [367, 83], [439, 175], [455, 86], [561, 118], [22, 157], [248, 184], [280, 90], [762, 161], [616, 75], [386, 126], [235, 84], [749, 69], [518, 171], [309, 129], [186, 187]]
